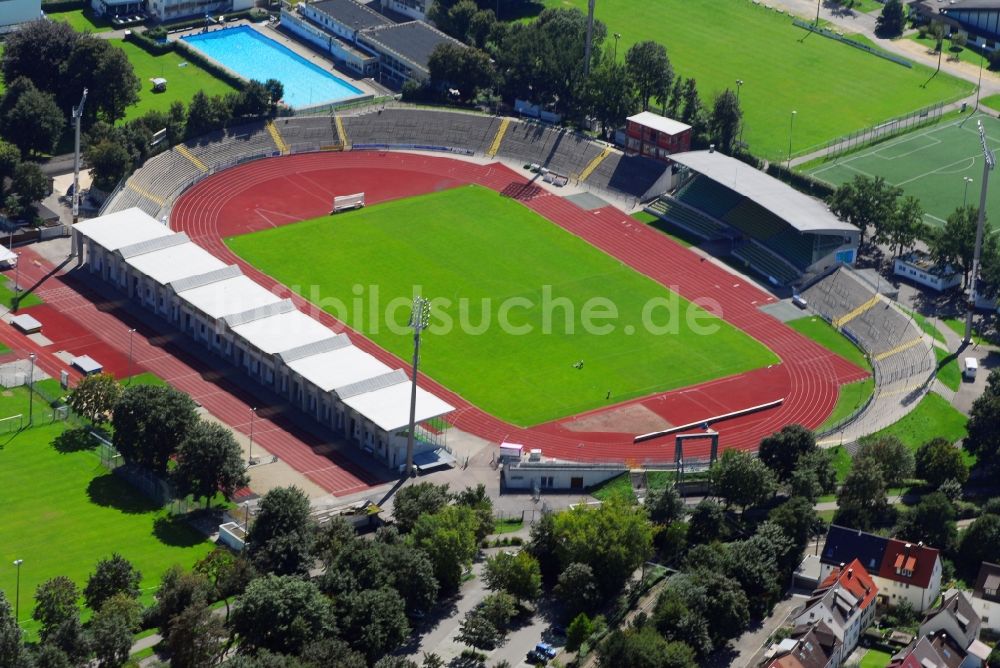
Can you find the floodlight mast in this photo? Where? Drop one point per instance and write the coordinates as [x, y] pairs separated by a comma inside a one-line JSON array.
[[419, 318], [77, 115], [989, 162]]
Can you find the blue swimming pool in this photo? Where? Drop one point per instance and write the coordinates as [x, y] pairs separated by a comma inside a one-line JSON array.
[[253, 56]]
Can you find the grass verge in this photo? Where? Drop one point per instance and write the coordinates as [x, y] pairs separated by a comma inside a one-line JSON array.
[[852, 396], [826, 335]]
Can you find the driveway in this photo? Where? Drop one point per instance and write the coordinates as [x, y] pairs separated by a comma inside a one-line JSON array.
[[749, 646]]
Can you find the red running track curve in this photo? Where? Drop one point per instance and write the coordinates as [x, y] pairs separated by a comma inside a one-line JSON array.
[[287, 189]]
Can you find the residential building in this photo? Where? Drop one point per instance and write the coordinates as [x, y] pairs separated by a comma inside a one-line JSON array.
[[16, 12], [955, 616], [902, 571], [921, 268], [654, 136], [986, 596], [809, 646], [172, 10], [415, 9], [845, 603]]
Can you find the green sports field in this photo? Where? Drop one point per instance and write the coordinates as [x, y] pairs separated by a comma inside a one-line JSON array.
[[836, 89], [931, 164], [487, 254], [62, 512]]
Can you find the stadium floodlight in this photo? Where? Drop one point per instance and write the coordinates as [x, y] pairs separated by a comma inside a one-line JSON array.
[[77, 115], [965, 197], [419, 318], [989, 162], [791, 126]]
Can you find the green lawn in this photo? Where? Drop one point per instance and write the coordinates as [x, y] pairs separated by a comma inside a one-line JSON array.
[[7, 294], [852, 397], [835, 88], [14, 401], [991, 101], [517, 294], [841, 464], [957, 325], [182, 82], [874, 658], [925, 325], [672, 231], [949, 374], [82, 20], [507, 526], [826, 335], [965, 54], [933, 417], [619, 487], [930, 163], [63, 511]]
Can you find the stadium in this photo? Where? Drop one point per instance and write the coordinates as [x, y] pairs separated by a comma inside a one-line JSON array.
[[222, 191]]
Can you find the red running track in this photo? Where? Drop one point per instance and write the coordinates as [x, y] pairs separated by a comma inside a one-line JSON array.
[[282, 190]]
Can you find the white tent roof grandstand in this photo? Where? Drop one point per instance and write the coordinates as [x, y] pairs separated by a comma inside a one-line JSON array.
[[800, 211], [232, 295], [282, 331], [389, 407], [171, 264], [337, 368], [121, 229], [659, 123]]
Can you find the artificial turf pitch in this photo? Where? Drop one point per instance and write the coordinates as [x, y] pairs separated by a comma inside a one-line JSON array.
[[835, 88], [930, 164], [481, 250]]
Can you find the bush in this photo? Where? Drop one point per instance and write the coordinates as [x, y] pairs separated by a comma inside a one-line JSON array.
[[149, 44], [194, 56], [801, 182]]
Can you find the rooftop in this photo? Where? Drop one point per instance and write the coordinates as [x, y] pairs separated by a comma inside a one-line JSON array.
[[988, 582], [231, 295], [337, 368], [925, 263], [843, 545], [389, 407], [123, 228], [802, 212], [413, 41], [351, 14], [659, 123], [176, 262], [282, 331], [914, 558]]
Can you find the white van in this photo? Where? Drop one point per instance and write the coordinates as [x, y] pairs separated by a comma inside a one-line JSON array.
[[970, 367]]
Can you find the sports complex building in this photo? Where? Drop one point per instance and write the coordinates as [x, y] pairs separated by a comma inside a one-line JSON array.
[[266, 337]]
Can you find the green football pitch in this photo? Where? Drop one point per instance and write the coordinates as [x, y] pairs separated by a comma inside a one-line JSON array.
[[63, 511], [497, 261], [836, 89], [931, 164]]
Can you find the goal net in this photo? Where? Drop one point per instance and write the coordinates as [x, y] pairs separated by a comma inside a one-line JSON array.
[[347, 202]]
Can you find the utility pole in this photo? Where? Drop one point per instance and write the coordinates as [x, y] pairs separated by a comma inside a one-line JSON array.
[[590, 37], [77, 115], [989, 161], [419, 318]]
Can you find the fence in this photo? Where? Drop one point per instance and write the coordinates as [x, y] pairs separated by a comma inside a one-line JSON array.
[[811, 27], [876, 133]]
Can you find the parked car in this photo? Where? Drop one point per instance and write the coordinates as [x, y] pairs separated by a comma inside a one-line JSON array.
[[546, 650], [535, 657]]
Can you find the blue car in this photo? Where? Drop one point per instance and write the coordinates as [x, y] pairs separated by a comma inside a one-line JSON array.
[[546, 650]]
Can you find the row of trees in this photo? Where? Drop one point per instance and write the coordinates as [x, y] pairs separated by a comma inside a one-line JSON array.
[[28, 183]]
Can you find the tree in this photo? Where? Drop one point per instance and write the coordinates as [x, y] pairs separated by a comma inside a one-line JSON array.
[[813, 475], [178, 591], [109, 162], [115, 575], [196, 637], [932, 522], [281, 614], [10, 157], [938, 460], [891, 21], [106, 72], [984, 424], [480, 503], [644, 648], [955, 243], [865, 203], [209, 461], [861, 499], [70, 639], [762, 564], [30, 184], [449, 539], [411, 574], [980, 542], [227, 575], [477, 631], [149, 422], [205, 114], [499, 608], [460, 68], [649, 70], [664, 505], [938, 31], [37, 51], [725, 121], [576, 589], [95, 396], [890, 455], [581, 628], [610, 95], [55, 602], [50, 656], [373, 621], [713, 597], [797, 519], [517, 574], [332, 652], [707, 523], [907, 226], [742, 479], [412, 501], [781, 450], [254, 101], [10, 634], [112, 629], [281, 538], [31, 118]]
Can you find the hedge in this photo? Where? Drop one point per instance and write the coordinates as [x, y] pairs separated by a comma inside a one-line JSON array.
[[801, 182], [64, 5], [148, 44], [210, 66]]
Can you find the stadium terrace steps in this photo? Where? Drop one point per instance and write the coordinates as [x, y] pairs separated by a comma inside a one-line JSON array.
[[495, 145], [310, 133], [847, 317], [755, 220], [690, 219], [218, 149], [279, 142], [703, 193], [406, 127], [592, 165], [183, 150], [766, 262]]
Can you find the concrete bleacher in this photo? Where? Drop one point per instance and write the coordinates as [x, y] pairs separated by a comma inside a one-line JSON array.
[[229, 146], [560, 150], [633, 175], [687, 218], [404, 127], [794, 246], [766, 262], [704, 194], [755, 220], [308, 132]]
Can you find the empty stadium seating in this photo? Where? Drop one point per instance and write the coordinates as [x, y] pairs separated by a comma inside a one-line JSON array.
[[766, 262], [690, 219], [794, 246], [755, 220], [708, 196]]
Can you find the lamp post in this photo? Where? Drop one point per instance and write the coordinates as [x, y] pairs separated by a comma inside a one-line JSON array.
[[979, 87], [817, 13], [17, 591], [419, 318], [965, 197], [989, 161], [131, 331], [17, 281], [791, 126], [253, 414], [31, 388], [617, 37], [739, 87]]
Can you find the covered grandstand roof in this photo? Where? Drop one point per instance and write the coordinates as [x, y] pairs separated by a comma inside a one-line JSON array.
[[800, 211], [121, 229], [176, 262], [338, 368], [232, 295], [389, 406], [282, 331]]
